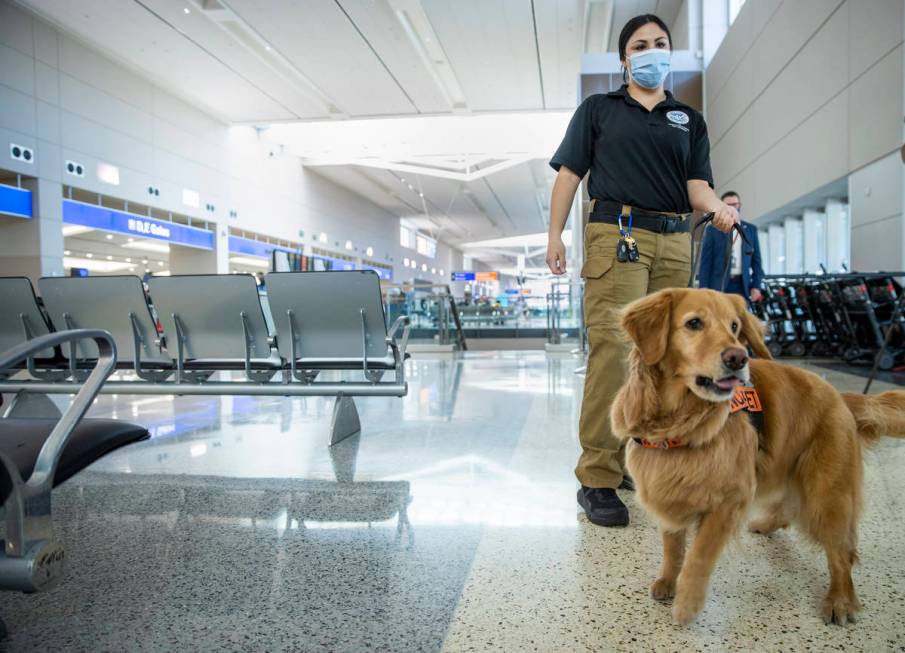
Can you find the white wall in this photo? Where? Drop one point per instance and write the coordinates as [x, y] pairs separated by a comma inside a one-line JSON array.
[[70, 102], [802, 93], [875, 198]]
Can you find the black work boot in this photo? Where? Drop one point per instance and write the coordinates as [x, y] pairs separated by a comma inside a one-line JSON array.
[[603, 506]]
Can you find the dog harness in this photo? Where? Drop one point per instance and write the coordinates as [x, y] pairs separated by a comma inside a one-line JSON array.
[[744, 399]]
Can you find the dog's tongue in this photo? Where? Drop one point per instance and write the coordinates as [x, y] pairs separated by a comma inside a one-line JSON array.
[[728, 383]]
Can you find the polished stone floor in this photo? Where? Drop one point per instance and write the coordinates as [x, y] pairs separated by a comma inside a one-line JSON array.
[[449, 524]]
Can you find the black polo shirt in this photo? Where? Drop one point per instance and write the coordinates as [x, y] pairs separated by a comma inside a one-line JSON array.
[[634, 156]]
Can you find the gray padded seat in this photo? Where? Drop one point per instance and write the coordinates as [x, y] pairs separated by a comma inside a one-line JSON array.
[[21, 441], [327, 312], [210, 309], [105, 303], [18, 302]]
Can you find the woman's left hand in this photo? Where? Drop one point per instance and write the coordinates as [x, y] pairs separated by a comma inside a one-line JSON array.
[[724, 217]]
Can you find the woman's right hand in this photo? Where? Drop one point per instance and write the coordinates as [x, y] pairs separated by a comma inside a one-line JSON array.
[[556, 255]]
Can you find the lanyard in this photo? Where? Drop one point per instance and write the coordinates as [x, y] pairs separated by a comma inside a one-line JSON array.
[[623, 232]]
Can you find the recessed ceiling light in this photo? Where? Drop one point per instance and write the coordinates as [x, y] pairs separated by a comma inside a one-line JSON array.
[[109, 236], [128, 260], [109, 258], [66, 252], [160, 263], [420, 194], [268, 48], [89, 255], [187, 10]]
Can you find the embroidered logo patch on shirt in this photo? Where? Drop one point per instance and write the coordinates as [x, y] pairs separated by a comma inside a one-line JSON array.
[[678, 117]]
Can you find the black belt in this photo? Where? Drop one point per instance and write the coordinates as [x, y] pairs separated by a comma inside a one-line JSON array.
[[661, 223]]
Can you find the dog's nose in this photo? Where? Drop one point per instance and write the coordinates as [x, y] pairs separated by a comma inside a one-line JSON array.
[[734, 358]]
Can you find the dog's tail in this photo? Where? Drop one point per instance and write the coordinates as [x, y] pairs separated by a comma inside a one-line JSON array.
[[878, 415]]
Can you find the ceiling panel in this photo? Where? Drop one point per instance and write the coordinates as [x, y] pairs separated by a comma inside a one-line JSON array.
[[492, 48], [380, 26], [135, 37], [319, 39], [515, 188], [560, 33]]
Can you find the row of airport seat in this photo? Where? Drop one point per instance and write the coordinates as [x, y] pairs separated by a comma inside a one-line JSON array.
[[87, 328], [323, 321]]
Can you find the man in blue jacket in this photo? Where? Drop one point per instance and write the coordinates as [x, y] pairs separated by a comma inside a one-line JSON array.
[[746, 272]]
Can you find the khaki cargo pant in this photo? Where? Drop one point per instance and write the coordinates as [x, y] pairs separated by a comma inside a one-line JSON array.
[[665, 262]]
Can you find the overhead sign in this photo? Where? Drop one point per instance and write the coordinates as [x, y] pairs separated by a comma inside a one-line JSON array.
[[487, 276], [15, 201], [238, 245], [462, 276], [99, 217]]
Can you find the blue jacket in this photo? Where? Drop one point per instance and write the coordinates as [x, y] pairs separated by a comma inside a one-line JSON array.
[[713, 261]]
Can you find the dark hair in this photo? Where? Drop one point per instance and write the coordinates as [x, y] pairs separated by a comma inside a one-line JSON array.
[[632, 26], [729, 193]]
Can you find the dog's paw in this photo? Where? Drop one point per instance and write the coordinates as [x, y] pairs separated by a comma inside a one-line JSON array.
[[766, 526], [685, 611], [839, 609], [663, 589]]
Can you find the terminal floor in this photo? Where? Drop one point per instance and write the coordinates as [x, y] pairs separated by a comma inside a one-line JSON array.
[[449, 524]]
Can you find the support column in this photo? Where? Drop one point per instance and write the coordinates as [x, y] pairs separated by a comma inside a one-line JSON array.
[[221, 247], [714, 25], [34, 248], [777, 238], [813, 240], [837, 235], [763, 238], [794, 249]]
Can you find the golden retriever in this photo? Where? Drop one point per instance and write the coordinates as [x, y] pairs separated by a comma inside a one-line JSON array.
[[710, 466]]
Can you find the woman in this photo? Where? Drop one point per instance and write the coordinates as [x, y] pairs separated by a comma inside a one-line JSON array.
[[649, 161]]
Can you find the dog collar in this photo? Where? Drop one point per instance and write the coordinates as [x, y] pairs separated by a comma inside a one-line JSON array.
[[672, 443], [744, 399]]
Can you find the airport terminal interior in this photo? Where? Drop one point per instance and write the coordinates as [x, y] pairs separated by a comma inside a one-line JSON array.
[[304, 338]]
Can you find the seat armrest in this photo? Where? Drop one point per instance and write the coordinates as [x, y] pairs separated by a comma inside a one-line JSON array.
[[406, 323], [41, 478]]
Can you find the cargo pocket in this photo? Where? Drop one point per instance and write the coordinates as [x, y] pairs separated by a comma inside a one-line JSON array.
[[610, 285], [596, 266]]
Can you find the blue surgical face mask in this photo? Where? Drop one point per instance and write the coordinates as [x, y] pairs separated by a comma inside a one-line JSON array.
[[650, 67]]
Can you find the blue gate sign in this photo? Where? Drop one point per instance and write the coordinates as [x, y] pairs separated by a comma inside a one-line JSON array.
[[99, 217], [462, 276], [239, 245], [15, 201]]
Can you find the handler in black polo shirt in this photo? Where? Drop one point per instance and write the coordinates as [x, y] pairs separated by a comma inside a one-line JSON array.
[[649, 161]]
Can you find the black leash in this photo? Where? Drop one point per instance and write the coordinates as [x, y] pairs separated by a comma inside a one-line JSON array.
[[727, 256]]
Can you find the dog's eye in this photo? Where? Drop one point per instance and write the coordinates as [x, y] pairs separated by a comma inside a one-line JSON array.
[[735, 327], [695, 324]]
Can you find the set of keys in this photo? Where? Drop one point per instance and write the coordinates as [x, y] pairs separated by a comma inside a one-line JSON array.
[[626, 248]]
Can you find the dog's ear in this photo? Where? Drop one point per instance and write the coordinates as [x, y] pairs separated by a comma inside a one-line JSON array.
[[753, 330], [647, 322]]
